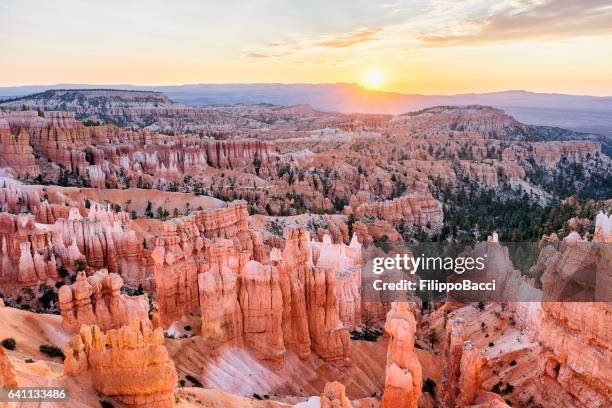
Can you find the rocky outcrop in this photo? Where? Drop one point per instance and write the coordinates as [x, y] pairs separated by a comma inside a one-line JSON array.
[[218, 292], [103, 238], [416, 208], [293, 263], [185, 248], [403, 376], [470, 380], [575, 335], [261, 302], [551, 152], [575, 356], [26, 252], [329, 339], [129, 364], [176, 268], [453, 350], [16, 152], [57, 136], [290, 303], [603, 228], [334, 396], [7, 374], [97, 300]]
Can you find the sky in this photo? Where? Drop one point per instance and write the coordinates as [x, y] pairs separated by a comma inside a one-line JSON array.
[[427, 47]]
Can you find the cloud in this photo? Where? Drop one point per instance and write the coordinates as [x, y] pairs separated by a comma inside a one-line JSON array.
[[348, 39], [256, 55], [325, 48], [447, 23], [548, 19]]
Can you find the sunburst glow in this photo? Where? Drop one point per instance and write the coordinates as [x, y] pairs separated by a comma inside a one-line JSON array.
[[374, 79]]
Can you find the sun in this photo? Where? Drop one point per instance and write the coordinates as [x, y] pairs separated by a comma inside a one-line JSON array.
[[374, 78]]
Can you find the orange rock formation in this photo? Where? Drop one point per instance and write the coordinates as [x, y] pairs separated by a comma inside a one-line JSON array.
[[130, 364], [334, 396], [403, 376], [96, 300], [7, 374]]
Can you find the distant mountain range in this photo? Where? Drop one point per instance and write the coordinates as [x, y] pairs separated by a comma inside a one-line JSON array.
[[581, 113]]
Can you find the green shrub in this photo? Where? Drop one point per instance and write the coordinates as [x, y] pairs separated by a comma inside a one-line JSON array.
[[9, 343], [194, 381], [51, 351]]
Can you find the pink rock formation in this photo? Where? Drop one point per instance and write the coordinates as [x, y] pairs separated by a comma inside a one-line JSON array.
[[26, 252], [551, 152], [575, 337], [218, 291], [130, 364], [176, 273], [345, 261], [329, 338], [103, 238], [403, 376], [180, 253], [293, 265], [334, 396], [603, 228], [470, 380], [290, 303], [261, 302], [16, 152], [575, 356], [7, 374], [415, 208], [453, 350], [97, 299]]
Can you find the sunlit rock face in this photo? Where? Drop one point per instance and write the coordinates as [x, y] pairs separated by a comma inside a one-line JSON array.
[[291, 303], [261, 302], [130, 364], [27, 252], [453, 351], [334, 396], [202, 242], [7, 374], [403, 376], [293, 263], [470, 380], [575, 336], [218, 291], [16, 151], [418, 209], [97, 300]]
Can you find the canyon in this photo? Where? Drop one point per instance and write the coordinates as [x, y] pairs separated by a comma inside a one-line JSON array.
[[214, 256]]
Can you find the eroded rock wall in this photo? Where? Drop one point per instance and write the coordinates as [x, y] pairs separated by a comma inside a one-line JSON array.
[[97, 300]]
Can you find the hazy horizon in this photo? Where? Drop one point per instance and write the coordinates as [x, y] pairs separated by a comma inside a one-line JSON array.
[[117, 86], [440, 47]]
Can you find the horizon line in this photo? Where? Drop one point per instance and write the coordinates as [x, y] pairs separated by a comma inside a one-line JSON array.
[[106, 86]]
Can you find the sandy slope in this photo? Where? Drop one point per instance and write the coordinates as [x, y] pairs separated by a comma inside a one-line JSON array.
[[232, 368], [30, 331]]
